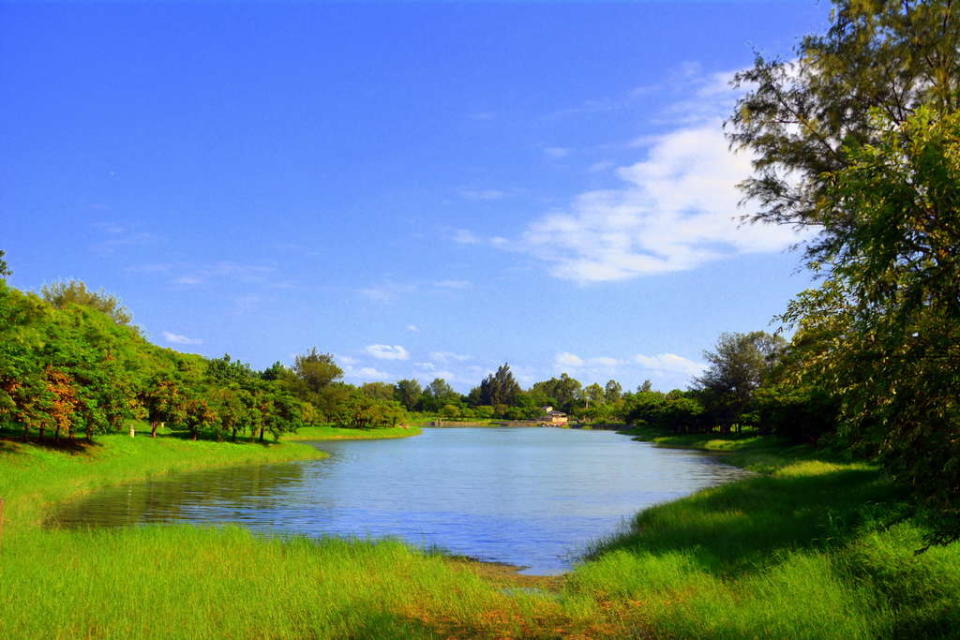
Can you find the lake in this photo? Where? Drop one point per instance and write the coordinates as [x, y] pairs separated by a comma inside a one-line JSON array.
[[532, 497]]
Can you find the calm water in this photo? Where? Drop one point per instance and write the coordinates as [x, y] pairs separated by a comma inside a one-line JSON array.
[[530, 497]]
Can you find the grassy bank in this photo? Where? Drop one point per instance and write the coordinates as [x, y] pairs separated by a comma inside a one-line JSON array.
[[196, 582], [810, 547], [341, 433], [32, 476]]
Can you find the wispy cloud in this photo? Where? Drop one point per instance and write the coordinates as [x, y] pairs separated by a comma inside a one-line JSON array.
[[565, 359], [669, 368], [386, 291], [115, 236], [463, 236], [364, 374], [676, 210], [431, 371], [670, 363], [412, 328], [387, 352], [557, 152], [225, 269], [176, 338]]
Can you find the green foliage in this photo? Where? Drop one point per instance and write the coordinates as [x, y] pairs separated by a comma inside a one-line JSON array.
[[740, 363], [407, 392], [564, 393], [861, 139], [377, 390], [63, 294], [315, 371], [500, 388]]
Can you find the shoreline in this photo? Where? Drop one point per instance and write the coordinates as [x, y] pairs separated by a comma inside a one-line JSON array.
[[80, 468]]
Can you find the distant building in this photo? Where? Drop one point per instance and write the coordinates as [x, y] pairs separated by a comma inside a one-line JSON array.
[[553, 418]]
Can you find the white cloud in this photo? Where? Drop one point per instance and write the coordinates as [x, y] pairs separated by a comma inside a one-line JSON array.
[[670, 363], [176, 338], [566, 359], [365, 374], [387, 352], [116, 235], [370, 373], [412, 328], [667, 369], [677, 210], [462, 236], [387, 291], [557, 152]]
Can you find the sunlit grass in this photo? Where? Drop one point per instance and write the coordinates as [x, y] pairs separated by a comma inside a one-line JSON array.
[[32, 477], [806, 548], [342, 433]]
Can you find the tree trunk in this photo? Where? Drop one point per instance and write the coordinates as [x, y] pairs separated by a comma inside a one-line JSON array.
[[261, 434], [153, 428]]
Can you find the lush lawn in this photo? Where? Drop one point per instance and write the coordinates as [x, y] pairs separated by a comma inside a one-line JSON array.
[[807, 548], [342, 433], [32, 477]]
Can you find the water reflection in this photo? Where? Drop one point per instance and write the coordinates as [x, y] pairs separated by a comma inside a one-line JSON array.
[[531, 497]]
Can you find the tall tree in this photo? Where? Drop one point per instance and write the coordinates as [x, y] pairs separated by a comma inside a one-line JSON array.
[[61, 294], [859, 139], [500, 388], [407, 392], [798, 115], [738, 365], [612, 392], [164, 402], [316, 370]]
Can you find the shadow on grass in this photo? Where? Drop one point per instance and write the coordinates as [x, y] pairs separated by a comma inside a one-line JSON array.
[[10, 442], [742, 526], [205, 437]]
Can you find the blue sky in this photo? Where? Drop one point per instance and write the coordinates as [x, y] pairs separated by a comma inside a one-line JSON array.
[[421, 189]]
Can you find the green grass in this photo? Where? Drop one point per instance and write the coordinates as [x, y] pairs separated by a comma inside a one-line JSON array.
[[807, 548], [32, 477], [342, 433], [810, 547], [188, 582]]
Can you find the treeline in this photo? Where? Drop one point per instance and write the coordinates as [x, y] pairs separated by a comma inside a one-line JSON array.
[[71, 363]]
